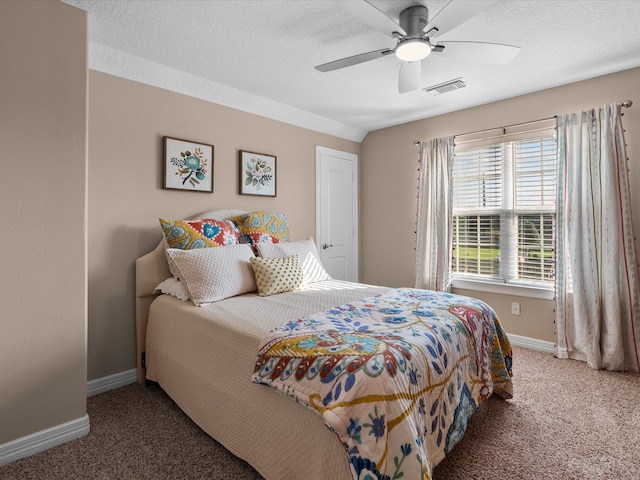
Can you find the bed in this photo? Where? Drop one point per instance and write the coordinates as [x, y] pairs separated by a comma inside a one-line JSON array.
[[226, 364]]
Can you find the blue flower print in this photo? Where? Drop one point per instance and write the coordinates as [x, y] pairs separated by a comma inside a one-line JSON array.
[[413, 376], [191, 167], [192, 163], [377, 425]]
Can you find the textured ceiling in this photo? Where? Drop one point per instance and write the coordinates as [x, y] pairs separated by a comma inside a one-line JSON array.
[[266, 51]]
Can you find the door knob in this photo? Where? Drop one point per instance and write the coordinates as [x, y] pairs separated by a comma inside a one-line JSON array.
[[325, 246]]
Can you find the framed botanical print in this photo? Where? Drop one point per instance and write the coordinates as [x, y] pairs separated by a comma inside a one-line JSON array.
[[257, 174], [187, 165]]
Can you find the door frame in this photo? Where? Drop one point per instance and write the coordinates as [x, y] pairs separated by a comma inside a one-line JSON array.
[[353, 158]]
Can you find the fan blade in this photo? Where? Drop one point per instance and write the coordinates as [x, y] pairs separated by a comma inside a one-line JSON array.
[[409, 77], [455, 13], [369, 14], [354, 60], [478, 52]]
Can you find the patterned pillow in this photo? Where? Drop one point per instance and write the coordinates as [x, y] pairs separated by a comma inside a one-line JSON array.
[[206, 232], [307, 252], [212, 274], [277, 275], [257, 227]]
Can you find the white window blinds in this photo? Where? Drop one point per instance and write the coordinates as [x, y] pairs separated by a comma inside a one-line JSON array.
[[504, 204]]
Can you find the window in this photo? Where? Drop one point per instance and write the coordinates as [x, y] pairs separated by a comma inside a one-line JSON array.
[[504, 212]]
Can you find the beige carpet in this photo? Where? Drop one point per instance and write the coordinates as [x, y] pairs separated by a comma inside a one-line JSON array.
[[564, 422]]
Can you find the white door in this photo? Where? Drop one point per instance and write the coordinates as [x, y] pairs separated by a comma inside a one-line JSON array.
[[337, 212]]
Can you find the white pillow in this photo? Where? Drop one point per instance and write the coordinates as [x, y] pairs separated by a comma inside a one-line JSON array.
[[305, 249], [212, 274], [173, 286]]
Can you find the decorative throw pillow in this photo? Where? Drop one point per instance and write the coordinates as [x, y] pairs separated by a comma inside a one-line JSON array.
[[277, 275], [206, 232], [174, 287], [307, 252], [212, 274], [258, 227]]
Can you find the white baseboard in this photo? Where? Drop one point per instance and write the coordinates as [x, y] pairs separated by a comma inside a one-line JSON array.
[[532, 343], [52, 437], [111, 382], [43, 440]]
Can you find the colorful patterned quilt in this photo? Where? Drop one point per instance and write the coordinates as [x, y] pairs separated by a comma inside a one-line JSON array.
[[395, 376]]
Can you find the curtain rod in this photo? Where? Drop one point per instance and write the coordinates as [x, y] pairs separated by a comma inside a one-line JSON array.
[[624, 104]]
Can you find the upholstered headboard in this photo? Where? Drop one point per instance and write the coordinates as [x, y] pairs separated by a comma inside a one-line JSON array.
[[151, 270]]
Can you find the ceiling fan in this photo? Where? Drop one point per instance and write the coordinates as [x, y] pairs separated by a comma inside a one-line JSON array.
[[416, 37]]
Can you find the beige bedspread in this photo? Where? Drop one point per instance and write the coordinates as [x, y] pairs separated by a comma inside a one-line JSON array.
[[197, 355]]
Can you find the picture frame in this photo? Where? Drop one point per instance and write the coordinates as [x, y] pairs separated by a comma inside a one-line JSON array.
[[187, 165], [258, 175]]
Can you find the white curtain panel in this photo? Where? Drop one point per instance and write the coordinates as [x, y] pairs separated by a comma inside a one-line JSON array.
[[598, 310], [433, 235]]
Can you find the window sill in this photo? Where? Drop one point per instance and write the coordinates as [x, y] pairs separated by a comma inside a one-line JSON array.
[[530, 291]]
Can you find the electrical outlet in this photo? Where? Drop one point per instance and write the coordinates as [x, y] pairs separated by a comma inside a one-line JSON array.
[[515, 308]]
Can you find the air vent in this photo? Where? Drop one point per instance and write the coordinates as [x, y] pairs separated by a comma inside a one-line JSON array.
[[445, 87]]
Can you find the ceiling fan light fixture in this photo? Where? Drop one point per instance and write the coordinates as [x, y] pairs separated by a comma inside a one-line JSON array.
[[413, 50]]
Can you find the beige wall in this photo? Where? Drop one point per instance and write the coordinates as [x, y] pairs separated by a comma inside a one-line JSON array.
[[127, 121], [388, 176], [43, 56]]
